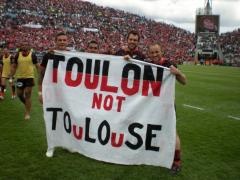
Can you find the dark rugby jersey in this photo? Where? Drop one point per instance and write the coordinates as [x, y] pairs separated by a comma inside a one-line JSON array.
[[135, 54], [164, 62]]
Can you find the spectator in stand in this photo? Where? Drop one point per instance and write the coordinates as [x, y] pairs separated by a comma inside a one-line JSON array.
[[132, 49], [6, 68], [23, 66], [155, 55]]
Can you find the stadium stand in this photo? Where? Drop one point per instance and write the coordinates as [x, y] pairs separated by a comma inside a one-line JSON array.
[[230, 45], [212, 48], [37, 20]]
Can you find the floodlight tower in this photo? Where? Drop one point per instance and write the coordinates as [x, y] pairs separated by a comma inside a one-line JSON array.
[[208, 7]]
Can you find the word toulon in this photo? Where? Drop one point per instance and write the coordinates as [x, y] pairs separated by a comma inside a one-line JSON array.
[[95, 73]]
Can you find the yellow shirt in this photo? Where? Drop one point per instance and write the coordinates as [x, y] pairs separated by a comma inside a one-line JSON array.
[[6, 66], [25, 66]]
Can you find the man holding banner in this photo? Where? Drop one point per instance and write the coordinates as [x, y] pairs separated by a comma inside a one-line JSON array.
[[92, 105], [132, 50], [61, 42], [92, 47], [155, 55]]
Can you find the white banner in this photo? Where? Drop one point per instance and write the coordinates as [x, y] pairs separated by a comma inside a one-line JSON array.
[[110, 109]]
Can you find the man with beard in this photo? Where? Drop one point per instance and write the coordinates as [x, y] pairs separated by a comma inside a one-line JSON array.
[[132, 50]]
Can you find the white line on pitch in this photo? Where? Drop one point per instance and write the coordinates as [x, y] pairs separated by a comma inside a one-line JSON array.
[[236, 118], [194, 107]]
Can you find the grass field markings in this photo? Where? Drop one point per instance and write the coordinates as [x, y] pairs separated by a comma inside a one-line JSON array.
[[211, 73], [194, 107], [233, 117]]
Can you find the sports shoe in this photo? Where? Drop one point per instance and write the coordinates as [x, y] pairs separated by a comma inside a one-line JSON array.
[[27, 117], [50, 152], [1, 96], [13, 96], [70, 150], [176, 167]]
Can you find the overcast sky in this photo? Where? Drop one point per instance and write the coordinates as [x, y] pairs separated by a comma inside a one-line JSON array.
[[181, 13]]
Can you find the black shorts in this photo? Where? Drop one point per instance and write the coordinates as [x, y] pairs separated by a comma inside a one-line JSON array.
[[22, 83]]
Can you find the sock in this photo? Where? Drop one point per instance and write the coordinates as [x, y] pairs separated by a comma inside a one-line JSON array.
[[177, 155], [2, 89], [13, 89]]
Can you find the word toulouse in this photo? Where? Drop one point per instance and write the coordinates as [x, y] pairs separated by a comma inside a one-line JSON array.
[[92, 79], [104, 134]]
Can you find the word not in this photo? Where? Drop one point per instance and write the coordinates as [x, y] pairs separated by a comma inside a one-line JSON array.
[[107, 103]]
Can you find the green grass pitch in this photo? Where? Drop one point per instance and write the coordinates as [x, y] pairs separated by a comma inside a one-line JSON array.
[[208, 122]]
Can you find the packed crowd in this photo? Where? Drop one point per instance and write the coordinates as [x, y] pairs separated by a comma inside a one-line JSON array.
[[207, 41], [36, 21], [85, 21], [230, 42], [230, 45]]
